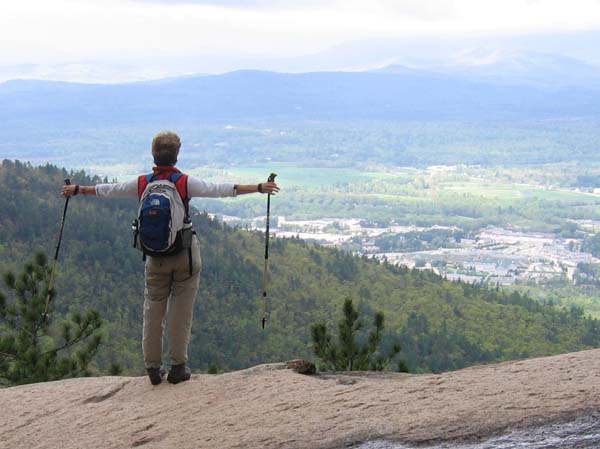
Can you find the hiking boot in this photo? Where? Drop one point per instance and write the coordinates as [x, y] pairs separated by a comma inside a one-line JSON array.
[[156, 375], [179, 373]]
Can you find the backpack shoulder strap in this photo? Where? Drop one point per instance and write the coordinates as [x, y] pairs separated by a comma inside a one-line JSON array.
[[143, 181], [181, 183], [174, 177]]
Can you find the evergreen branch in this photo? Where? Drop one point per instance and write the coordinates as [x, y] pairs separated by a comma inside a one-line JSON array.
[[82, 336], [38, 326], [17, 328]]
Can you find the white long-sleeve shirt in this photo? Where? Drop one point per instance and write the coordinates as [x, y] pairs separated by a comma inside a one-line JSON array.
[[196, 188]]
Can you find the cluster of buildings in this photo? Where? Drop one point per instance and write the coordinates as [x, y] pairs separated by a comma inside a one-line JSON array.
[[493, 255], [501, 256]]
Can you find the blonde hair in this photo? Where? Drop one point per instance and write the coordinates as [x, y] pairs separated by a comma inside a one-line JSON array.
[[165, 148]]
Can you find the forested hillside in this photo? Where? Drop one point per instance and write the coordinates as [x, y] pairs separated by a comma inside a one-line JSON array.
[[441, 325]]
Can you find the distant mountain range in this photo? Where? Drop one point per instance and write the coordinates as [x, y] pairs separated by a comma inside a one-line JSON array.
[[503, 89], [496, 110], [445, 51], [417, 52], [514, 68]]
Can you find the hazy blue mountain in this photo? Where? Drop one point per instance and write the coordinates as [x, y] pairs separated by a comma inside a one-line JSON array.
[[401, 117], [255, 94]]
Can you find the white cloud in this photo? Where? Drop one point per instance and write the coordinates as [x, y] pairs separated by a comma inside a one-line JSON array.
[[188, 32]]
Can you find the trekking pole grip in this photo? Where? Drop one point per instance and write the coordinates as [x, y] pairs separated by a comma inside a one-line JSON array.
[[67, 182]]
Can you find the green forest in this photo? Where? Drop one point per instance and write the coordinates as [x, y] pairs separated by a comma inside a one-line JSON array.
[[348, 143], [440, 325]]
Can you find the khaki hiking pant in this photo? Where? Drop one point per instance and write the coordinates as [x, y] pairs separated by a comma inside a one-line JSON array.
[[170, 293]]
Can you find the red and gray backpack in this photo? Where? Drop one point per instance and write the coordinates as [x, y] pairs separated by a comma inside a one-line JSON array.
[[163, 227]]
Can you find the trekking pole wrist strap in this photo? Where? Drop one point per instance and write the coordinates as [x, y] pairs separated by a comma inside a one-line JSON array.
[[76, 191], [260, 188]]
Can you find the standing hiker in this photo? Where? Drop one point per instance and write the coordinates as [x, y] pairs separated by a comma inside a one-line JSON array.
[[173, 261]]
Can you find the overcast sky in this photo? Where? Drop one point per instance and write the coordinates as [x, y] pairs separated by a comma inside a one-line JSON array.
[[144, 33]]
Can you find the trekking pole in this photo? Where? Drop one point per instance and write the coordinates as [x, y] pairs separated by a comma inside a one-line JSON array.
[[265, 273], [62, 225]]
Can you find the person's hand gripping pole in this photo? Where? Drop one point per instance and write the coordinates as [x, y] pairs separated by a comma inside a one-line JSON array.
[[265, 271]]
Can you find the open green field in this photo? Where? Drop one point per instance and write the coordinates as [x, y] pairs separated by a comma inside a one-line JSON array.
[[470, 197], [290, 175], [504, 192]]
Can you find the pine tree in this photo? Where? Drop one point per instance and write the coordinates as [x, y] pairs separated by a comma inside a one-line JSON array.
[[32, 348], [347, 353]]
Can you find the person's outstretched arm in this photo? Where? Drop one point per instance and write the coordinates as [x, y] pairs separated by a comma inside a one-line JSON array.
[[196, 188], [263, 187], [127, 189], [200, 188]]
